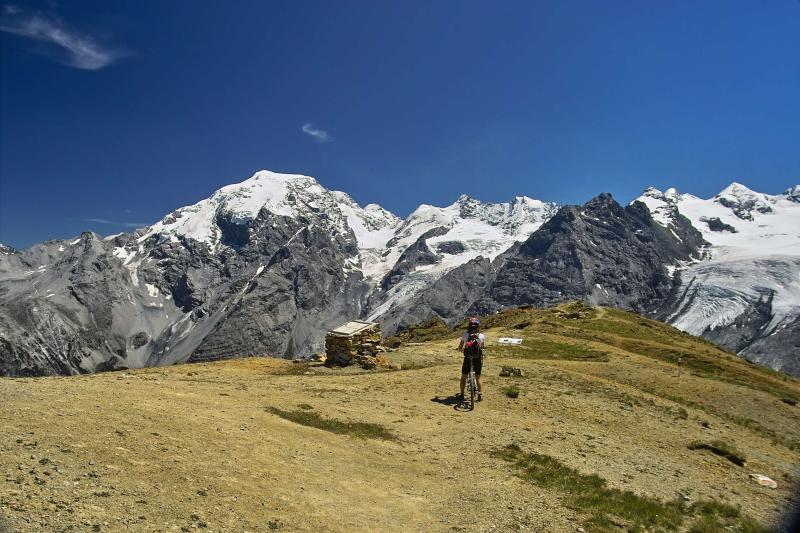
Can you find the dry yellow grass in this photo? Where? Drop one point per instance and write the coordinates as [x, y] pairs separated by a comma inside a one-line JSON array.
[[197, 446]]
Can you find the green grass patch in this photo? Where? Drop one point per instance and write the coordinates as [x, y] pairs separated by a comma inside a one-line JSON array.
[[512, 391], [589, 494], [607, 509], [361, 430], [714, 516], [541, 348], [293, 369], [721, 448]]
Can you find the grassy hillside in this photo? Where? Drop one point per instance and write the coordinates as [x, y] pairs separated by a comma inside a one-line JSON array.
[[608, 433]]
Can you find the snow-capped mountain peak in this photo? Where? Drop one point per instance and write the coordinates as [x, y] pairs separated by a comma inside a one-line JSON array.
[[239, 203], [284, 195], [372, 226], [380, 213], [660, 204], [734, 218], [753, 258], [445, 238], [792, 193], [736, 189], [743, 201]]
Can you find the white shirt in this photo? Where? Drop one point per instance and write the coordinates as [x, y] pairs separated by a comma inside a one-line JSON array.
[[465, 336]]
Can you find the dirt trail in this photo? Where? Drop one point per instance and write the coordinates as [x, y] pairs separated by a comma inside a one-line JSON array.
[[194, 447]]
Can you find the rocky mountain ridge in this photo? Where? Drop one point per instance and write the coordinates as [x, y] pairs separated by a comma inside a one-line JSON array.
[[265, 266]]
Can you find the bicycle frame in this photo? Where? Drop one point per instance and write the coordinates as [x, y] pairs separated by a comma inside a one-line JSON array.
[[472, 383]]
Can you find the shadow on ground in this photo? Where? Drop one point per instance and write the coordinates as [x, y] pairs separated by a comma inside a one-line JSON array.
[[458, 405]]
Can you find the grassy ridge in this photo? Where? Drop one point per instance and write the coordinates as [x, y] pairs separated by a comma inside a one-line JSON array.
[[565, 332], [574, 331], [660, 341], [576, 324]]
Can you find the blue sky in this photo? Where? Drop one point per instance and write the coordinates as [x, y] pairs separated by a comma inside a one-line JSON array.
[[116, 113]]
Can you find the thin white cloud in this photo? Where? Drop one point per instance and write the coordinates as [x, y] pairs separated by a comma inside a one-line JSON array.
[[64, 45], [115, 223], [321, 136]]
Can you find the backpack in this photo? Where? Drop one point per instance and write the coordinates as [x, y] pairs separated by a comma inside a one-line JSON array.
[[472, 348]]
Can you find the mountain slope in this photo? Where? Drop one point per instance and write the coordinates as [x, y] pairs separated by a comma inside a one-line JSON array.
[[745, 293], [260, 267], [600, 251], [600, 394], [435, 242]]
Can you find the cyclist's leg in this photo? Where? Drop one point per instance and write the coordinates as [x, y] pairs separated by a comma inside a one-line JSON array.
[[478, 370], [463, 383]]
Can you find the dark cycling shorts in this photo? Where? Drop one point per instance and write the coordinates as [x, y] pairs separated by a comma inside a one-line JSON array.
[[477, 363]]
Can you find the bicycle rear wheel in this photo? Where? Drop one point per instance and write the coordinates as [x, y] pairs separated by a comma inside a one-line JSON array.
[[473, 389]]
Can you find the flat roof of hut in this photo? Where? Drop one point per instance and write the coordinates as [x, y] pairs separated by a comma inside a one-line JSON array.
[[354, 327]]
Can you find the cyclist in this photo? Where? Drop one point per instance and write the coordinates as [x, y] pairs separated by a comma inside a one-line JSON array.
[[470, 337]]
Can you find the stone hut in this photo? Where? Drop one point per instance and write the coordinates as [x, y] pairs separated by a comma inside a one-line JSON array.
[[356, 342]]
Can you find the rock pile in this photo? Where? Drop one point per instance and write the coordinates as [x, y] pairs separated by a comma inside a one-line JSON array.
[[574, 311], [509, 371], [355, 342]]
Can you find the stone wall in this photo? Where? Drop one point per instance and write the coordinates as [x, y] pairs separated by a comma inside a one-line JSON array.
[[361, 348]]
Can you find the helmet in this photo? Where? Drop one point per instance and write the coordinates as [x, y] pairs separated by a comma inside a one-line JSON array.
[[474, 323]]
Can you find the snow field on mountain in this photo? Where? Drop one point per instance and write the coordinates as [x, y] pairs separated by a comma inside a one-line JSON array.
[[483, 229], [726, 289], [761, 257], [768, 233]]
